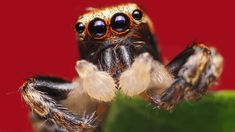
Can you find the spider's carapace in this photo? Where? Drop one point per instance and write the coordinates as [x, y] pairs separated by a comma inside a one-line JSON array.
[[112, 37]]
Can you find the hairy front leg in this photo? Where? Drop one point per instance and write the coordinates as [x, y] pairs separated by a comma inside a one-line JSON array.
[[194, 70], [42, 94], [208, 77]]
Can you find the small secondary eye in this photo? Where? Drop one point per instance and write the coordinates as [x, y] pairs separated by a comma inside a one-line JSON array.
[[80, 27], [137, 14], [97, 27], [120, 22]]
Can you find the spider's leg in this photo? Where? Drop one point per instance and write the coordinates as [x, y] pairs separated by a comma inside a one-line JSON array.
[[208, 77], [41, 124], [194, 70], [42, 95]]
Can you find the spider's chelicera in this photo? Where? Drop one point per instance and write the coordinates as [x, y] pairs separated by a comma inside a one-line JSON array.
[[118, 54]]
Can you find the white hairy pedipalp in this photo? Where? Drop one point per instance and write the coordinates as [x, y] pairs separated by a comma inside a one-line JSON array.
[[145, 73], [97, 84]]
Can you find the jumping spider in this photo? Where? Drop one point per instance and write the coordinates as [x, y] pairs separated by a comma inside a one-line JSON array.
[[118, 53]]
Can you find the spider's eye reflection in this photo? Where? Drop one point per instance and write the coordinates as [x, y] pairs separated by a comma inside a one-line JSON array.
[[97, 27], [137, 14], [120, 22], [79, 27]]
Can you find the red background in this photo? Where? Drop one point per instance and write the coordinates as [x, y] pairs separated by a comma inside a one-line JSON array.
[[37, 37]]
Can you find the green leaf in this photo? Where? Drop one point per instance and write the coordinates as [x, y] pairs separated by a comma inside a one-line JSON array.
[[215, 112]]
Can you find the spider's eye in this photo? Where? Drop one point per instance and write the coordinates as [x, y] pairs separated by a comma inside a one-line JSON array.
[[120, 22], [97, 27], [137, 14], [80, 27]]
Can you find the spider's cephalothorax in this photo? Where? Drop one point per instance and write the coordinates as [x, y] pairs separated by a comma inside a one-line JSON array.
[[112, 37], [118, 53]]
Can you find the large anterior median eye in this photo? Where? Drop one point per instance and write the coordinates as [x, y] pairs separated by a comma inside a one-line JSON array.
[[120, 22], [97, 28]]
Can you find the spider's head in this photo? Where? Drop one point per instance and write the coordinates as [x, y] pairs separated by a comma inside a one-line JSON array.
[[112, 37]]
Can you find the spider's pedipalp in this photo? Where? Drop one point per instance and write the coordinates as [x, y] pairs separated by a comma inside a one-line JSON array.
[[145, 74], [136, 79], [97, 84], [161, 78]]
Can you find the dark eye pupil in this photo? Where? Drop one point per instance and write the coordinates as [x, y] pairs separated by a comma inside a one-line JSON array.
[[120, 22], [137, 14], [80, 27], [97, 27]]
